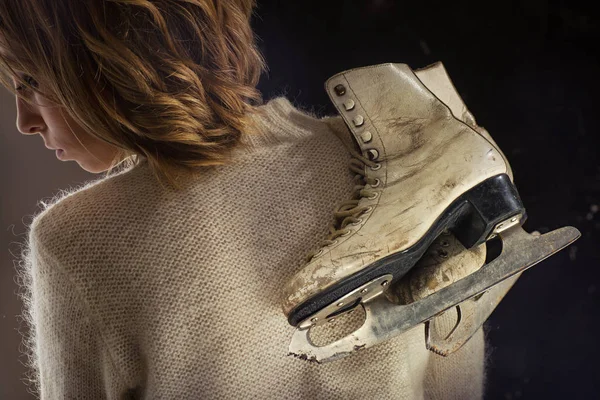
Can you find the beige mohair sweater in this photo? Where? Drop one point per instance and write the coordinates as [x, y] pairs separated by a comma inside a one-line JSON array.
[[136, 291]]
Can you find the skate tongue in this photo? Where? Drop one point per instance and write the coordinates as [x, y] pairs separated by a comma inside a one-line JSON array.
[[384, 320]]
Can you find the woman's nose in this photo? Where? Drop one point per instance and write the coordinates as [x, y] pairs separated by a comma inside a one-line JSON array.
[[29, 120]]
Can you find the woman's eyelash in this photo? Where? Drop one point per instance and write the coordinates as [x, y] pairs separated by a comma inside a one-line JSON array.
[[29, 80]]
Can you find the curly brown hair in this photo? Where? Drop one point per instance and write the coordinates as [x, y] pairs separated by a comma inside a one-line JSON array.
[[172, 82]]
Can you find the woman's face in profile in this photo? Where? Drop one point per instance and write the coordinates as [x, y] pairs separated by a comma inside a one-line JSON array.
[[61, 133]]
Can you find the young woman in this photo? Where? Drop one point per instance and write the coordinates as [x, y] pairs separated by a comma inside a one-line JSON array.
[[162, 279]]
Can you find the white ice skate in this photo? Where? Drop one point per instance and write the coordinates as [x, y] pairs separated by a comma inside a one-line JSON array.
[[425, 168]]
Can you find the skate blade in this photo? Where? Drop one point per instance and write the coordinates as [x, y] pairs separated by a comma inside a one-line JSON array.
[[384, 320]]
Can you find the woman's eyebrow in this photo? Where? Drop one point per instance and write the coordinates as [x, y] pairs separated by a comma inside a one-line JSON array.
[[10, 60], [7, 56]]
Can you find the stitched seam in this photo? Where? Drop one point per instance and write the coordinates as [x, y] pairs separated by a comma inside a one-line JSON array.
[[88, 310]]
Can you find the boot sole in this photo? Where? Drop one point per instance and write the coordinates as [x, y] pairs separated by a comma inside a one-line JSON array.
[[472, 218]]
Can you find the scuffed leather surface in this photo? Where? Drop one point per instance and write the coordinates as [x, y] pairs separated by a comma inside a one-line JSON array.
[[429, 158]]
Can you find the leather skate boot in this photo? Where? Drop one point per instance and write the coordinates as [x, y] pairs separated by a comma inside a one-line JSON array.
[[420, 171], [446, 261], [424, 171], [436, 79]]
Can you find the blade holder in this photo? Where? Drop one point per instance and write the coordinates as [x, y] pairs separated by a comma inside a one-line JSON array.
[[345, 304], [504, 225]]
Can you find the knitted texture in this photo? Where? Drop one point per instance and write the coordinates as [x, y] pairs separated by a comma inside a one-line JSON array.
[[132, 290]]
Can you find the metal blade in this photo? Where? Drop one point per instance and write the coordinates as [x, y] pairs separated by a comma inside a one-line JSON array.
[[384, 320]]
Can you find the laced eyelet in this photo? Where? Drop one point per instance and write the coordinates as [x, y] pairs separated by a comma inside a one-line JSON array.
[[357, 222], [374, 196], [376, 167], [318, 253], [368, 210], [334, 242], [377, 183]]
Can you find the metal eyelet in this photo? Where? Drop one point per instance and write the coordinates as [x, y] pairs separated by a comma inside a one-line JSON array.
[[340, 90], [374, 196], [345, 234], [376, 167], [319, 253], [366, 136], [377, 183], [373, 154], [357, 222], [334, 242], [358, 121], [368, 210]]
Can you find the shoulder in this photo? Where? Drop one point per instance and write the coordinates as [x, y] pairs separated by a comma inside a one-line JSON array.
[[71, 215], [280, 121]]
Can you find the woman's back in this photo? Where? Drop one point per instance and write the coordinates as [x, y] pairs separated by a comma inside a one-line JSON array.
[[175, 294]]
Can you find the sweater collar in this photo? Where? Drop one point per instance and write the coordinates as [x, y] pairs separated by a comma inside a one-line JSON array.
[[283, 121]]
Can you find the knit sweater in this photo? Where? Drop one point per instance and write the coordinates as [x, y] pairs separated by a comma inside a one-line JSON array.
[[134, 290]]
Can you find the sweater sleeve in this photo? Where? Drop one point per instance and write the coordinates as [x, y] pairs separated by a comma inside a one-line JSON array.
[[69, 356]]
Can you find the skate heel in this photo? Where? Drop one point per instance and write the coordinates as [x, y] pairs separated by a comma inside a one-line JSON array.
[[488, 209]]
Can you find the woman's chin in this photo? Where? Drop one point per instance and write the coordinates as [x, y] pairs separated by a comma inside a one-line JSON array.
[[93, 168]]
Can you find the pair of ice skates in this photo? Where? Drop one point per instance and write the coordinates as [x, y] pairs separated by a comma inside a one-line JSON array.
[[432, 189]]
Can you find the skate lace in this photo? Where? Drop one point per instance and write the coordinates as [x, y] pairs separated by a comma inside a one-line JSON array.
[[348, 211]]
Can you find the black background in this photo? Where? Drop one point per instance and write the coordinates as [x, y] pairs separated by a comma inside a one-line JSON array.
[[528, 71]]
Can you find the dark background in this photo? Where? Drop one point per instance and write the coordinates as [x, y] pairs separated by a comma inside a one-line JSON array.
[[528, 71]]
